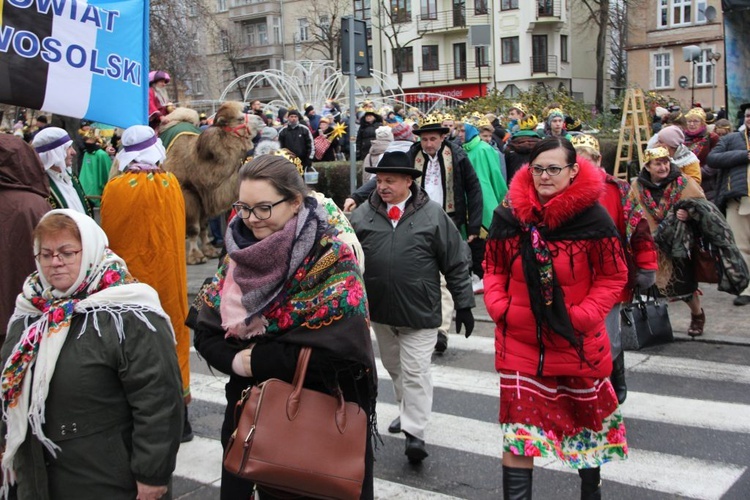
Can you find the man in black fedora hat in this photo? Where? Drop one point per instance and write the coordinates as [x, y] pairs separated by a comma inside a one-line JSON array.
[[449, 179], [409, 241]]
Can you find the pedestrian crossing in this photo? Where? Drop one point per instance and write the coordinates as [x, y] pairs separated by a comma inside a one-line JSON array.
[[688, 423]]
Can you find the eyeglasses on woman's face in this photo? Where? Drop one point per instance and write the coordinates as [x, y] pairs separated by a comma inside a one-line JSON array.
[[66, 257], [552, 170], [261, 212]]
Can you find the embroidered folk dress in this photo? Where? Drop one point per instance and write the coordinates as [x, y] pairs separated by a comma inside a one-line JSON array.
[[549, 269]]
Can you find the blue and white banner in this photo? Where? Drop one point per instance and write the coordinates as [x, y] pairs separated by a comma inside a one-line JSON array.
[[78, 58]]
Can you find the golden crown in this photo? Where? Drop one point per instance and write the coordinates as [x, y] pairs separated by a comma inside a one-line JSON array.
[[432, 119], [292, 158], [585, 141], [528, 123], [520, 107], [654, 153], [696, 112]]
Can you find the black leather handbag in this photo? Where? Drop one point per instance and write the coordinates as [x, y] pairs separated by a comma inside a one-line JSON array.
[[645, 321]]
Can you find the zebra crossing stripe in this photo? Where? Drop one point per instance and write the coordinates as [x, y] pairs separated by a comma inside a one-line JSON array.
[[200, 460]]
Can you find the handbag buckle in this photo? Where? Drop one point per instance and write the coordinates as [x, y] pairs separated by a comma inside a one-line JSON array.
[[249, 436]]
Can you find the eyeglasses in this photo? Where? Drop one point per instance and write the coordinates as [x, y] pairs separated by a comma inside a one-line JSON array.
[[552, 170], [66, 257], [261, 212]]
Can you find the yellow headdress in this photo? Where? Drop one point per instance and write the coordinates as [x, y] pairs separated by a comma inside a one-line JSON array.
[[292, 158], [697, 113], [654, 153], [528, 123], [585, 141], [520, 107]]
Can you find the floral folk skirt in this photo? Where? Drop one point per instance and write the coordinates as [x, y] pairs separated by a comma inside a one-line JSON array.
[[575, 419]]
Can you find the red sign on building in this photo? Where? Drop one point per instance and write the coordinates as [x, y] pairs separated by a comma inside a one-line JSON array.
[[463, 92]]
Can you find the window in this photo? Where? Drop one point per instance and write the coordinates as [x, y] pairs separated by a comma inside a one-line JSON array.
[[276, 30], [401, 11], [663, 70], [564, 48], [405, 62], [304, 29], [362, 11], [221, 5], [428, 9], [325, 25], [224, 41], [197, 84], [540, 61], [192, 11], [700, 12], [369, 55], [681, 12], [459, 61], [482, 56], [704, 70], [510, 50], [480, 7], [511, 91], [508, 4], [430, 58], [262, 34], [248, 30], [662, 16]]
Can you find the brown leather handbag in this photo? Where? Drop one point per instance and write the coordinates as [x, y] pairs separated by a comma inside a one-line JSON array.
[[706, 266], [298, 440]]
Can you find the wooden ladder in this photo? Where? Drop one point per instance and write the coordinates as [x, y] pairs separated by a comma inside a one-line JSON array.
[[635, 132]]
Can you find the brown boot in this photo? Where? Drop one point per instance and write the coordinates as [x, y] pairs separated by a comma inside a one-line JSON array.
[[696, 324]]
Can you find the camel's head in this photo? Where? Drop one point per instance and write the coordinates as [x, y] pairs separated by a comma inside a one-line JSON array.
[[255, 124], [230, 118]]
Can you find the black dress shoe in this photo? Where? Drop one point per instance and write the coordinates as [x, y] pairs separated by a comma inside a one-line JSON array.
[[742, 300], [442, 342], [395, 426], [415, 449]]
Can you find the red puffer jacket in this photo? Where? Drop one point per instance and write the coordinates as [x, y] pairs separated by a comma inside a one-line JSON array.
[[591, 272]]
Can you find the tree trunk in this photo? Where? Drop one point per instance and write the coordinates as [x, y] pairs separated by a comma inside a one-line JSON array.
[[601, 53]]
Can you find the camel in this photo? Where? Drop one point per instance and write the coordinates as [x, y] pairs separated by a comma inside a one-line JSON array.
[[207, 165]]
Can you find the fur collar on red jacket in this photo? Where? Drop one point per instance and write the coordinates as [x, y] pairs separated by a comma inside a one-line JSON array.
[[583, 192]]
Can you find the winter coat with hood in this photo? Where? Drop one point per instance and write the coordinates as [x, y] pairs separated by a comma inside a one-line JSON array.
[[730, 158], [366, 134], [24, 190], [404, 263], [589, 274]]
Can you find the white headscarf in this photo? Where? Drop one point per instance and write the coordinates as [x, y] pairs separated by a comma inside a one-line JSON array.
[[140, 144], [52, 143]]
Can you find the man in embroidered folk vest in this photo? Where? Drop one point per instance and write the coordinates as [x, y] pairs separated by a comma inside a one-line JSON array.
[[409, 243], [450, 180]]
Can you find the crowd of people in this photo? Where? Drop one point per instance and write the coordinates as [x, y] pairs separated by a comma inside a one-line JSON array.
[[518, 210]]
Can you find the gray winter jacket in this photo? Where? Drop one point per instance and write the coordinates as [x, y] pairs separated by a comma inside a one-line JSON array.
[[404, 263], [729, 157]]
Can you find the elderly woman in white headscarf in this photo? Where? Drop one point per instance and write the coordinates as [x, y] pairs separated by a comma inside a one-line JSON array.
[[143, 214], [55, 148], [90, 384]]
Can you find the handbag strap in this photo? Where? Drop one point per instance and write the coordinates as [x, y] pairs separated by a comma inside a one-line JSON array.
[[292, 405]]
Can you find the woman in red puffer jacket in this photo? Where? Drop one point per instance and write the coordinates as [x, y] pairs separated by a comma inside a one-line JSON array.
[[553, 270]]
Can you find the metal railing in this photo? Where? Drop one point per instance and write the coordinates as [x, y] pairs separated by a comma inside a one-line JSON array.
[[543, 64], [455, 18], [454, 71]]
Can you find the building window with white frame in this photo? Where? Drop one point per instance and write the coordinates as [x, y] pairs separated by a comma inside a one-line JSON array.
[[276, 21], [682, 12], [224, 41], [704, 69], [662, 16], [262, 34], [700, 12], [508, 4], [221, 5], [563, 48], [304, 29], [197, 84], [663, 70]]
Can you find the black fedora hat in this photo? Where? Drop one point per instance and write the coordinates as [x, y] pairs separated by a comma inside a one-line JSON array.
[[432, 127], [395, 162]]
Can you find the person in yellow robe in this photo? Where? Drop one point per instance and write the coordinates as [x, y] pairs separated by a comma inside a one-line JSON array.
[[143, 214]]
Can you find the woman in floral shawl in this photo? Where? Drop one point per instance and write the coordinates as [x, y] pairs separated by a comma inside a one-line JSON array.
[[91, 392], [288, 282], [658, 187]]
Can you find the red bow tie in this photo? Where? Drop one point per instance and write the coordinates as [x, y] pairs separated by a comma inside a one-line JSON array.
[[394, 213]]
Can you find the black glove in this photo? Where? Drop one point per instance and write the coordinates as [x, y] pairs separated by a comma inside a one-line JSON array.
[[464, 317], [645, 279]]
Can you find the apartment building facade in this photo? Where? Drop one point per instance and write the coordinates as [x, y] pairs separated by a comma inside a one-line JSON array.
[[655, 51]]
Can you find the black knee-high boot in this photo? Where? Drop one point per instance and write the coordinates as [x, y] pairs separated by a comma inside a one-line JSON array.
[[591, 484], [516, 483], [618, 378]]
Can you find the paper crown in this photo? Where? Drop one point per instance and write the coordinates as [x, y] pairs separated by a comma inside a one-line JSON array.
[[654, 153], [520, 107], [477, 119], [585, 141], [528, 123], [697, 113], [432, 119], [292, 158]]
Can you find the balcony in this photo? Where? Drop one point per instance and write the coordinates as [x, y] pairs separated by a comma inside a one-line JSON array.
[[450, 72], [262, 51], [450, 20], [243, 9], [543, 66], [548, 15]]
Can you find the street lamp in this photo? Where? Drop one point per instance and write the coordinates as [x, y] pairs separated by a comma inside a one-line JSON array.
[[692, 54], [714, 56]]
